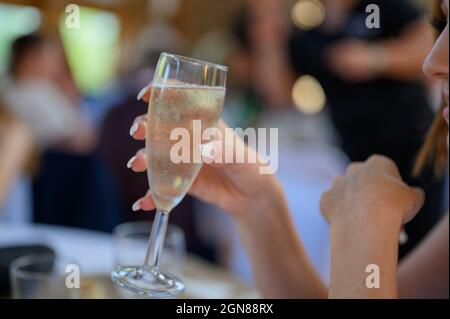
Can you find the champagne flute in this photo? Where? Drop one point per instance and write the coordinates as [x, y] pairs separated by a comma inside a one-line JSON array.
[[187, 98]]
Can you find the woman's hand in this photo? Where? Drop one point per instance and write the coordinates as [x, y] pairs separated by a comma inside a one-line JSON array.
[[371, 191], [366, 209], [280, 265], [236, 188]]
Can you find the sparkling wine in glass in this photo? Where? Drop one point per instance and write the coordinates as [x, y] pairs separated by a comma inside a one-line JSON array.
[[187, 97]]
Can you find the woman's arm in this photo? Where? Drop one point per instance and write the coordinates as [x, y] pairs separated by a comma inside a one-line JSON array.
[[353, 254], [359, 60], [281, 267], [15, 145], [366, 209], [424, 272]]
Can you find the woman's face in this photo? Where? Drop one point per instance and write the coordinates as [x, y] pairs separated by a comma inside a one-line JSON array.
[[436, 64]]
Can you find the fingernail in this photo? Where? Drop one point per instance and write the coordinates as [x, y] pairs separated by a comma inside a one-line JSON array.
[[134, 128], [403, 237], [206, 150], [131, 161], [136, 206], [142, 93]]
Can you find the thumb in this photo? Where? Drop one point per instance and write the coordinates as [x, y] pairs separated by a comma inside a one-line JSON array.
[[418, 199]]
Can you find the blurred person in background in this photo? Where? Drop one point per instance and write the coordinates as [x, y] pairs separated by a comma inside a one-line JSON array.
[[71, 185], [366, 209], [266, 29], [263, 31], [43, 95], [15, 158], [375, 89]]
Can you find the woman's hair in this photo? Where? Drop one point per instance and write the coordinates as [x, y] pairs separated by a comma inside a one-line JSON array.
[[435, 149], [21, 48]]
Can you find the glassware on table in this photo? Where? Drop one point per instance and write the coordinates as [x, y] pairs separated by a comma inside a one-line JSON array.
[[42, 276], [183, 90], [130, 244]]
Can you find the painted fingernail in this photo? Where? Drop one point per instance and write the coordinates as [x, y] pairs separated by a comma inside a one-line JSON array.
[[206, 150], [142, 93], [403, 237], [131, 161], [136, 206], [134, 128]]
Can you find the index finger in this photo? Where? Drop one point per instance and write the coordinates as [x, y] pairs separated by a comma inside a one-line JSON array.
[[144, 93]]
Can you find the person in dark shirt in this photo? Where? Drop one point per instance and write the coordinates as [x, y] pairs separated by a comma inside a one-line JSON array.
[[376, 95]]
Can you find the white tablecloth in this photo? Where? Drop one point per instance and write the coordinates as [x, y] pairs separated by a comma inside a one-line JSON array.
[[91, 250]]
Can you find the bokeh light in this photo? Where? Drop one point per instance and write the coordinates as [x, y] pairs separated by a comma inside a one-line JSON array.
[[308, 14], [308, 95]]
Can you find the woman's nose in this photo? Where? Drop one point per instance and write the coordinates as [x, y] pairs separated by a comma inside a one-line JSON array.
[[436, 64]]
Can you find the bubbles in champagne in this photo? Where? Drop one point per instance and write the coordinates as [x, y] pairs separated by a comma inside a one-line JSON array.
[[173, 106]]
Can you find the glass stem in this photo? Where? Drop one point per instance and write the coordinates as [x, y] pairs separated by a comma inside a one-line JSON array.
[[156, 241]]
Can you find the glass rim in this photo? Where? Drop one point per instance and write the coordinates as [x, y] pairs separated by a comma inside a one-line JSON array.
[[15, 265], [196, 61]]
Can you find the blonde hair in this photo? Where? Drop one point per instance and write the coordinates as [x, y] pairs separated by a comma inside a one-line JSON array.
[[434, 150]]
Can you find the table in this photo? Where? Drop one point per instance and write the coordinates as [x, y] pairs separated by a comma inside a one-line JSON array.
[[93, 251]]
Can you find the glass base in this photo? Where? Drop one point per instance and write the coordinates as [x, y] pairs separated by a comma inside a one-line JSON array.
[[147, 282]]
